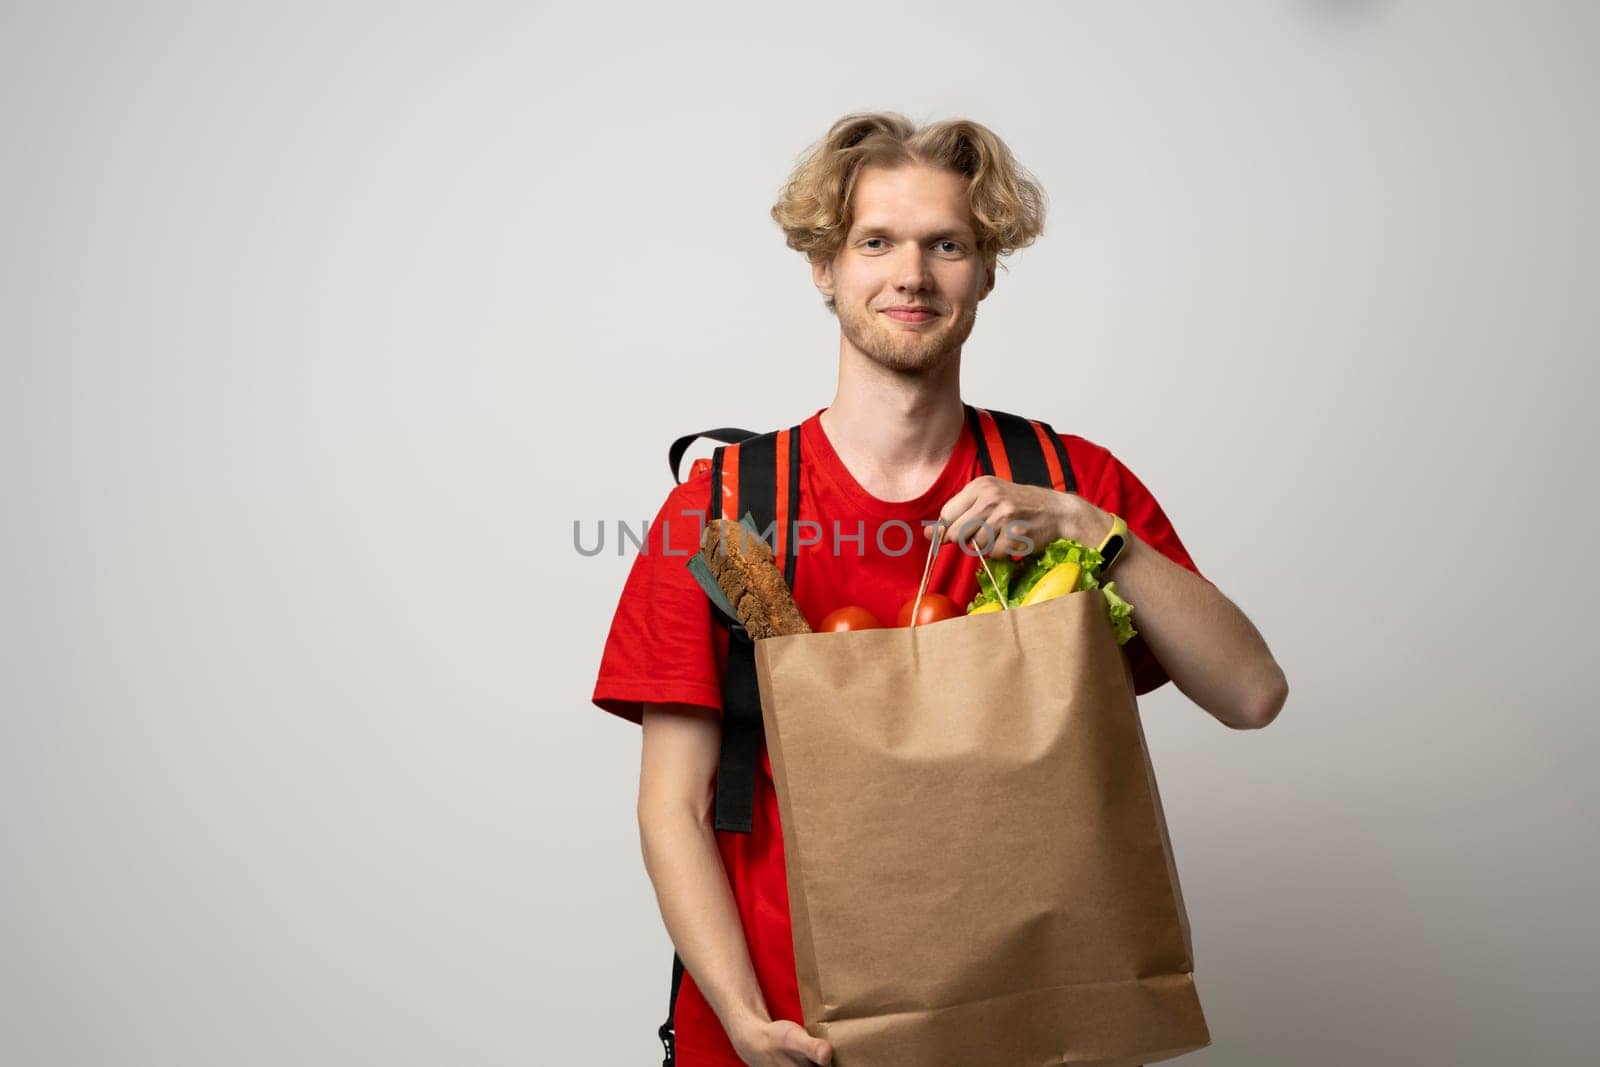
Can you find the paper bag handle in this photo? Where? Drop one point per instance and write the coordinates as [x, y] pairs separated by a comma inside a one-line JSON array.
[[927, 572]]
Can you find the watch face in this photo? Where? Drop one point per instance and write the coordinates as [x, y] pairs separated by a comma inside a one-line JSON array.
[[1113, 548]]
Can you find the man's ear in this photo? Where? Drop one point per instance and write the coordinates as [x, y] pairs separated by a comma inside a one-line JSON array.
[[988, 280], [822, 277]]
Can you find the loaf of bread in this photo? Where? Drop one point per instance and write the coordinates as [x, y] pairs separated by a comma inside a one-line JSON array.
[[744, 568]]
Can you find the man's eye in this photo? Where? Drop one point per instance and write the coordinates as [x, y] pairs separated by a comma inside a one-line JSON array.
[[953, 246], [869, 240]]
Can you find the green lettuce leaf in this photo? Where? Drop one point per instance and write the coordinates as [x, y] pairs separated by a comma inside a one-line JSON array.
[[1016, 577], [1121, 614], [1003, 569], [1056, 552]]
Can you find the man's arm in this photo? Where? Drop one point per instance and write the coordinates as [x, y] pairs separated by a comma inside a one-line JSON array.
[[1211, 651], [676, 772]]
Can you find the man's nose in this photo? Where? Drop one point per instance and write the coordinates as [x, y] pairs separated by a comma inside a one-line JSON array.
[[911, 270]]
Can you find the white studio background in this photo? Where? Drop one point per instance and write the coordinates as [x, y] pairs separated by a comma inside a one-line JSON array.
[[321, 324]]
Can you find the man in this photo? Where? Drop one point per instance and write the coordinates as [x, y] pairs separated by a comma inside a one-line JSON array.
[[902, 227]]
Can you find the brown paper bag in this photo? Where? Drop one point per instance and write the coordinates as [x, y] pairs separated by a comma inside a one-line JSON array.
[[978, 864]]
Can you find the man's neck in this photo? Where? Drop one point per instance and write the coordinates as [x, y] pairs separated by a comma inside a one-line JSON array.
[[894, 432]]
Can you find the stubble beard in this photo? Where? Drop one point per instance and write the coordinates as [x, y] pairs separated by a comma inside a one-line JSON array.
[[913, 352]]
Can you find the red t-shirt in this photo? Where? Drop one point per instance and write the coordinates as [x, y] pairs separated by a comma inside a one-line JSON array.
[[664, 647]]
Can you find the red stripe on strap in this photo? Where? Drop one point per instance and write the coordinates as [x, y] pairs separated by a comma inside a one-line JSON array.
[[1052, 461], [730, 483], [781, 508], [997, 447]]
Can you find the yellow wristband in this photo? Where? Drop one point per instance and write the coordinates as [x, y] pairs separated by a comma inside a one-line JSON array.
[[1114, 543]]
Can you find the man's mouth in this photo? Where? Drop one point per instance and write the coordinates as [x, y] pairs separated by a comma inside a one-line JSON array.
[[911, 314]]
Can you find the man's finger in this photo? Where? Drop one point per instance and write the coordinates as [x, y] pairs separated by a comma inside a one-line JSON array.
[[1014, 539], [960, 503], [973, 530], [813, 1049]]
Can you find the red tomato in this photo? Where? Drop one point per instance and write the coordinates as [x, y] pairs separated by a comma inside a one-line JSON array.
[[935, 607], [849, 617]]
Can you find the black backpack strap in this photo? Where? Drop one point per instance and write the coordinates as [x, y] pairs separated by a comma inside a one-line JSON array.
[[765, 462], [742, 734], [668, 1031], [1025, 451], [725, 434]]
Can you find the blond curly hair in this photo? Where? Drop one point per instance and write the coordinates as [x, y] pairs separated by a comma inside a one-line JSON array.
[[1007, 204]]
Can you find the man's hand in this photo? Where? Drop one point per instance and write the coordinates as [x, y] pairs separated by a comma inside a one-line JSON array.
[[999, 518], [779, 1044]]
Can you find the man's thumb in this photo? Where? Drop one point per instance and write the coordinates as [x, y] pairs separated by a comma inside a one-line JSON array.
[[814, 1049]]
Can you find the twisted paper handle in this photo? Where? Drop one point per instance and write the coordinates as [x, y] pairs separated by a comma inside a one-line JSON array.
[[927, 571]]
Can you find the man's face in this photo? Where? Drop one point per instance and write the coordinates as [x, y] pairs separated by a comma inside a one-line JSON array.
[[912, 245]]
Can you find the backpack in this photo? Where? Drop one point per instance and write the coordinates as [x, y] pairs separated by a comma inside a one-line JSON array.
[[760, 474]]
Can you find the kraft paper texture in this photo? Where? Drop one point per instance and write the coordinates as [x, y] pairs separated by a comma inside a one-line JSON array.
[[978, 864]]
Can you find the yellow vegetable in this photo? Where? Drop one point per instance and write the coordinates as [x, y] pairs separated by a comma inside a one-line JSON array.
[[1062, 579], [984, 609]]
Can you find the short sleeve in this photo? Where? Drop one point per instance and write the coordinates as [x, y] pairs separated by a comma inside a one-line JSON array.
[[662, 646], [1119, 491]]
